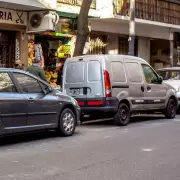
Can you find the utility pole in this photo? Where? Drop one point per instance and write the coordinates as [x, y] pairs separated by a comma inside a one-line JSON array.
[[132, 28]]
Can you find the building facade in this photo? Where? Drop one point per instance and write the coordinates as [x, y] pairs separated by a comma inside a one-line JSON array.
[[157, 27], [13, 29]]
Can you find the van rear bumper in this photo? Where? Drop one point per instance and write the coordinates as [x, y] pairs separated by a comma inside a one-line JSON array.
[[98, 109], [110, 105]]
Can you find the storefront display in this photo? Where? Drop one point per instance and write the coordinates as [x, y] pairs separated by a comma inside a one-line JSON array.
[[31, 48], [52, 48]]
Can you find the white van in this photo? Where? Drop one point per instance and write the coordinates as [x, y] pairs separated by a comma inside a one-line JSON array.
[[117, 85]]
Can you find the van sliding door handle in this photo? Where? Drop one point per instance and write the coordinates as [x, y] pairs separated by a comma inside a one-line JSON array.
[[142, 88], [31, 100]]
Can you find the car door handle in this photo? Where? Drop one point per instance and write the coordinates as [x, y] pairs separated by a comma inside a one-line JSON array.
[[31, 100], [142, 88], [148, 88]]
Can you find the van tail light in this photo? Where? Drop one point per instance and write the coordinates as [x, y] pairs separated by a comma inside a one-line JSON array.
[[81, 103], [107, 83]]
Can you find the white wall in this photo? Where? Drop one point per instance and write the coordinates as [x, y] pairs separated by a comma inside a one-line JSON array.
[[144, 48], [122, 27], [105, 8]]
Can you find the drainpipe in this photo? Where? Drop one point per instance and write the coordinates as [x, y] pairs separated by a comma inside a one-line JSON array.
[[132, 28]]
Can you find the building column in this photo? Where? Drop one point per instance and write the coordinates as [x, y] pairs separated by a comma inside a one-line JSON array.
[[112, 44], [144, 48], [24, 48], [171, 44]]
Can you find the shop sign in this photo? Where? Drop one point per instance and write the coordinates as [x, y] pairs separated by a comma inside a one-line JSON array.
[[8, 16]]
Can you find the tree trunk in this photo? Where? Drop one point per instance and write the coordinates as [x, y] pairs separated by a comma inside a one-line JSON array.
[[82, 30]]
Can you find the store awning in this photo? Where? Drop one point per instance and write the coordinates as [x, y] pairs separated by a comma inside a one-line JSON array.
[[56, 34], [72, 15], [23, 5]]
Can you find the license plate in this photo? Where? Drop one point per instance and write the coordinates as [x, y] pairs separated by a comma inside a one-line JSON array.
[[75, 91]]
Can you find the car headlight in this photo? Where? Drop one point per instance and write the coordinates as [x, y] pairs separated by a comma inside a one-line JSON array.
[[74, 101]]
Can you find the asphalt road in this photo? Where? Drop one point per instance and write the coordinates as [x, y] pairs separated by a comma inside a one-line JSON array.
[[143, 150]]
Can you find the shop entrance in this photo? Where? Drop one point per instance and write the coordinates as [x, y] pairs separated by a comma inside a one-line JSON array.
[[7, 48], [53, 51]]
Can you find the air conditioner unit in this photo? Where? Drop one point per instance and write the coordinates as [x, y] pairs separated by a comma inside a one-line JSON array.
[[41, 21]]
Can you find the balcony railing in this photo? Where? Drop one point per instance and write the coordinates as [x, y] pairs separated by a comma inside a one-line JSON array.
[[154, 10], [76, 3]]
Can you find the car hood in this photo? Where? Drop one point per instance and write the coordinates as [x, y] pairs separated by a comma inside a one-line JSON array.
[[174, 83], [65, 97]]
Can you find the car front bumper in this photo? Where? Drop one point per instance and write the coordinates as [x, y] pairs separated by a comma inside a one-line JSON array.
[[178, 97], [78, 113]]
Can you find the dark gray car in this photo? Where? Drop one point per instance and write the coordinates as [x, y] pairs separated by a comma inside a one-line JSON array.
[[27, 104]]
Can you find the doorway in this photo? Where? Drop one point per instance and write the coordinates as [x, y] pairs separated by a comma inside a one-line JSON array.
[[7, 48]]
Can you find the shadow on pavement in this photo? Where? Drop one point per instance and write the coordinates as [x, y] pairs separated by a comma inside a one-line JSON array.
[[52, 135], [109, 122], [30, 137]]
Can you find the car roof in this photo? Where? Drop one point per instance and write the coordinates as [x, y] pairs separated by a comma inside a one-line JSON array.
[[108, 56], [170, 69], [21, 71], [10, 70]]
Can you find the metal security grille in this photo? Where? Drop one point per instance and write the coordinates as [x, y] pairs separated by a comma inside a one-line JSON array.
[[7, 49], [123, 45], [154, 10], [97, 44]]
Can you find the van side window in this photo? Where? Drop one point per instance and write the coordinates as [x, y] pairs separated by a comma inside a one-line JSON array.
[[75, 72], [118, 73], [149, 74], [94, 71], [134, 72]]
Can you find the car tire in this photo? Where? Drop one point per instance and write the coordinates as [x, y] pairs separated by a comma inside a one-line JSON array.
[[67, 122], [81, 118], [123, 115], [171, 108]]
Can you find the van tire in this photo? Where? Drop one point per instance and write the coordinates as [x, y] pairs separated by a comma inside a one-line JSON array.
[[123, 115], [170, 110], [67, 123]]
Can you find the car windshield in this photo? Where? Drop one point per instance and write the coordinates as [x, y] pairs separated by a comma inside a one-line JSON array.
[[170, 74]]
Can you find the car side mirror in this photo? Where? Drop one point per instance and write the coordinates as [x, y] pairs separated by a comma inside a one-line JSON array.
[[47, 90], [160, 80]]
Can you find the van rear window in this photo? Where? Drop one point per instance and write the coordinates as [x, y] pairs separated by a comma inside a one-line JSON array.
[[75, 72], [94, 71]]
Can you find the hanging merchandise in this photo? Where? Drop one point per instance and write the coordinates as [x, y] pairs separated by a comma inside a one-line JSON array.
[[39, 54], [30, 49], [17, 49]]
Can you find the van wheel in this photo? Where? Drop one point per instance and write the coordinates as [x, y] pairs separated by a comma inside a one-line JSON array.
[[170, 111], [67, 123], [122, 116]]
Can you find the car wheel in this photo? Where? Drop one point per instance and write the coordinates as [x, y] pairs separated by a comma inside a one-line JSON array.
[[170, 111], [122, 116], [67, 123]]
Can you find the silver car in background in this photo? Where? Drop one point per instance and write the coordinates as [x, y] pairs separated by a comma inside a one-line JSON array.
[[171, 76]]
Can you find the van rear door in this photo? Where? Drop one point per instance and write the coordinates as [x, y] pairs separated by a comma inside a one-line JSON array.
[[74, 80], [95, 90]]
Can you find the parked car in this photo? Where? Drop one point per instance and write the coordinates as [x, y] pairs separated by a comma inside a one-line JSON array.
[[28, 104], [171, 76], [117, 85]]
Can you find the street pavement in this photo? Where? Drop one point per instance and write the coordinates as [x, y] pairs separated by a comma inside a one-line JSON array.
[[146, 149]]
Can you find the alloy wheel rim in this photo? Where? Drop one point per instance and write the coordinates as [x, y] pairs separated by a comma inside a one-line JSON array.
[[68, 122]]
